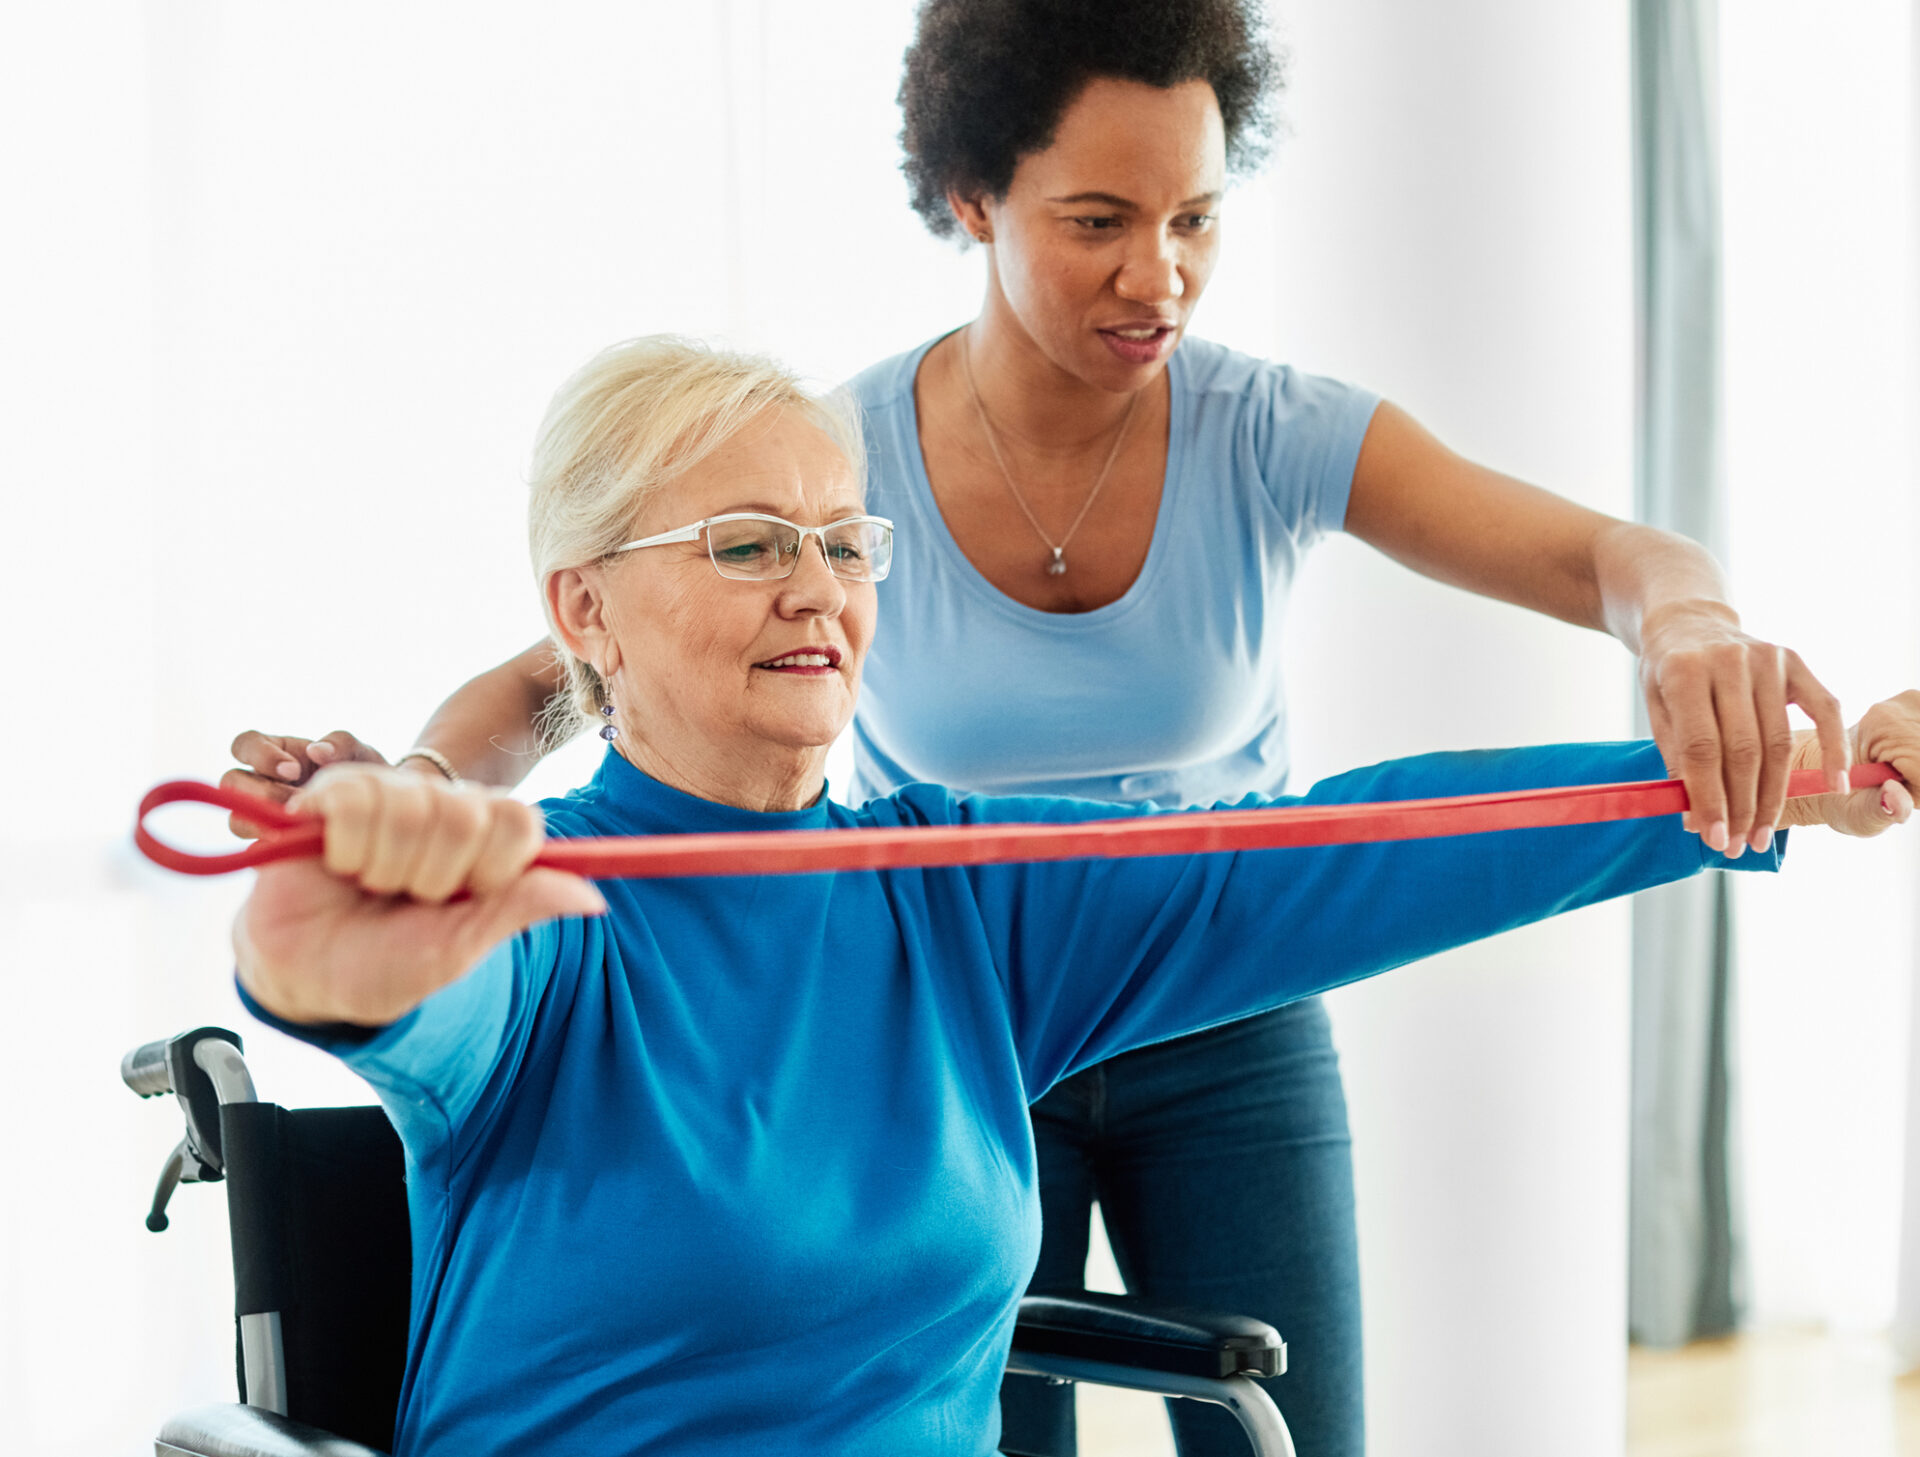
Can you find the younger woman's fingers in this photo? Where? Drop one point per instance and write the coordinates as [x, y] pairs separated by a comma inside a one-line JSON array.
[[1836, 748], [245, 781], [1776, 741], [273, 756], [341, 747], [1741, 753], [1696, 737], [1660, 724]]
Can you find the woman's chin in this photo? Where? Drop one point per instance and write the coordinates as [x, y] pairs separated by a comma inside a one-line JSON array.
[[811, 718], [800, 733]]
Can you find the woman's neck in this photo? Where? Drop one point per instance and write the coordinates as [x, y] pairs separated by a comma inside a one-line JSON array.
[[1028, 397], [770, 779]]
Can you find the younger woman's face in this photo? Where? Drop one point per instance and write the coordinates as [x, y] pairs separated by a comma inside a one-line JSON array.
[[1105, 239]]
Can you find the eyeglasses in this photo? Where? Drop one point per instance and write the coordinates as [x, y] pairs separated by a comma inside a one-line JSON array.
[[751, 547]]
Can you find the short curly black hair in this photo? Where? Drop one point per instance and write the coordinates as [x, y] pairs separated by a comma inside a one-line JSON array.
[[986, 81]]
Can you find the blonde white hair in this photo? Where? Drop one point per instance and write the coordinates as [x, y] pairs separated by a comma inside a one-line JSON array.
[[631, 419]]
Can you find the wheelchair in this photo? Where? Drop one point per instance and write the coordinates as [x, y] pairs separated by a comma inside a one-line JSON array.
[[317, 1212]]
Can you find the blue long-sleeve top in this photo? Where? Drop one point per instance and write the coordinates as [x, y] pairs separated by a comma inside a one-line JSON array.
[[745, 1165]]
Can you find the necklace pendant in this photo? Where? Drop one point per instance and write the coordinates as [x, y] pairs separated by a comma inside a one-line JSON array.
[[1058, 566]]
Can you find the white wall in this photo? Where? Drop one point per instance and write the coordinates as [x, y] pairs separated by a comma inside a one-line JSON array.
[[307, 279], [294, 288], [1454, 231], [1819, 172], [1907, 1309]]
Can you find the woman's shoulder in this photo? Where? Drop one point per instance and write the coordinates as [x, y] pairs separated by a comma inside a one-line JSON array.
[[590, 809], [912, 804], [1211, 369], [882, 386], [1300, 431]]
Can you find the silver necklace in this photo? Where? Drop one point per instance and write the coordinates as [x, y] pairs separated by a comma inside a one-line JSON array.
[[1058, 565]]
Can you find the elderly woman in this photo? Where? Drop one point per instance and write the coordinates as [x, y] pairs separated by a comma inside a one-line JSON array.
[[723, 1165]]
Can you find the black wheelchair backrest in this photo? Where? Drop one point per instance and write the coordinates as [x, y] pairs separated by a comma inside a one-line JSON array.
[[317, 1212], [317, 1205]]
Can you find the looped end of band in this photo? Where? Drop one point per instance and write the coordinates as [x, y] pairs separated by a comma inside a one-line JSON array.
[[297, 836]]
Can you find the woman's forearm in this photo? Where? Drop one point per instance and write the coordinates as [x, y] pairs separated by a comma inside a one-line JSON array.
[[1465, 524], [488, 727], [1716, 697]]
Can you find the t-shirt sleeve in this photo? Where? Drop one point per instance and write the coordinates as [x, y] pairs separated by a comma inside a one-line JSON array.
[[1307, 434], [1100, 956], [437, 1069]]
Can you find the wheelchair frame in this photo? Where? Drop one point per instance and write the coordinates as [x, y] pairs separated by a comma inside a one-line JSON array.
[[1069, 1337]]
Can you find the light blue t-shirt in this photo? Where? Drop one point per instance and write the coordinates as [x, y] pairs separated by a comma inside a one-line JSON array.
[[1172, 693]]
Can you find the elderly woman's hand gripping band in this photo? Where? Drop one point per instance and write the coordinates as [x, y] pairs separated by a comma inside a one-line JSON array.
[[365, 933]]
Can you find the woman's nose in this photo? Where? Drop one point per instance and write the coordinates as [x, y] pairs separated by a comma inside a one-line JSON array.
[[812, 589], [1151, 275]]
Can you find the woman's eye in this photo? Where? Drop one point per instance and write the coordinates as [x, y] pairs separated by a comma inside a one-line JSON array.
[[743, 551], [1099, 224], [1198, 222]]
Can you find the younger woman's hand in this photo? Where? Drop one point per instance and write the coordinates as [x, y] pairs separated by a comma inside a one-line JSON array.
[[275, 765], [1888, 733], [369, 931], [1717, 703]]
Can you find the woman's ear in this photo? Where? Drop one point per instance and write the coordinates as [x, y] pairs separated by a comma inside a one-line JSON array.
[[577, 599], [970, 209]]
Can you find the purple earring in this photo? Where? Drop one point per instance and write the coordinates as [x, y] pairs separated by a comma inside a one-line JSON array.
[[608, 731]]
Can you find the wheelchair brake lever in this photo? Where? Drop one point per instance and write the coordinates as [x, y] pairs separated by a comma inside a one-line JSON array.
[[183, 1166]]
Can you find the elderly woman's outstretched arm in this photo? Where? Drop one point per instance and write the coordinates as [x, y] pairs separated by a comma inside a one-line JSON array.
[[1103, 956], [1095, 956]]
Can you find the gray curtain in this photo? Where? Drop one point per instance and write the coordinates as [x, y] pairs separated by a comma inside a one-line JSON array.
[[1685, 1268]]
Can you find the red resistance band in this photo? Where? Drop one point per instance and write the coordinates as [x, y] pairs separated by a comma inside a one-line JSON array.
[[779, 852]]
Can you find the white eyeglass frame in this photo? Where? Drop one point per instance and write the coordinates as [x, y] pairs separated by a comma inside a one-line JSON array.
[[692, 533]]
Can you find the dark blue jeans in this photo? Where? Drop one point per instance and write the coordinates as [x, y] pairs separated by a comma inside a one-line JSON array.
[[1224, 1173]]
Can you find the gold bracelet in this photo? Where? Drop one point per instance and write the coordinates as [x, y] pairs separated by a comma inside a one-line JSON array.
[[433, 757]]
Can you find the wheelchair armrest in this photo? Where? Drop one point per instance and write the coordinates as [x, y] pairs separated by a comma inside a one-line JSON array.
[[1177, 1339], [249, 1431]]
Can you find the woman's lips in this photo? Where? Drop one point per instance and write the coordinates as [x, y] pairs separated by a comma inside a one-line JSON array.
[[814, 663], [1144, 344]]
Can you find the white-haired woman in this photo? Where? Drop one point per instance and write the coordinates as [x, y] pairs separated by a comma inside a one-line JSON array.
[[724, 1165]]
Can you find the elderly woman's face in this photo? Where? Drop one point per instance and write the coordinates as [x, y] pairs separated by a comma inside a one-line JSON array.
[[710, 662]]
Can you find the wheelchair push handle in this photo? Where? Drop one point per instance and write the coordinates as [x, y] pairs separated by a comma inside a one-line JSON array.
[[204, 1069], [145, 1069]]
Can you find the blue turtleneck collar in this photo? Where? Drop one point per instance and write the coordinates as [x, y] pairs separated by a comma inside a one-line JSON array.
[[637, 798]]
